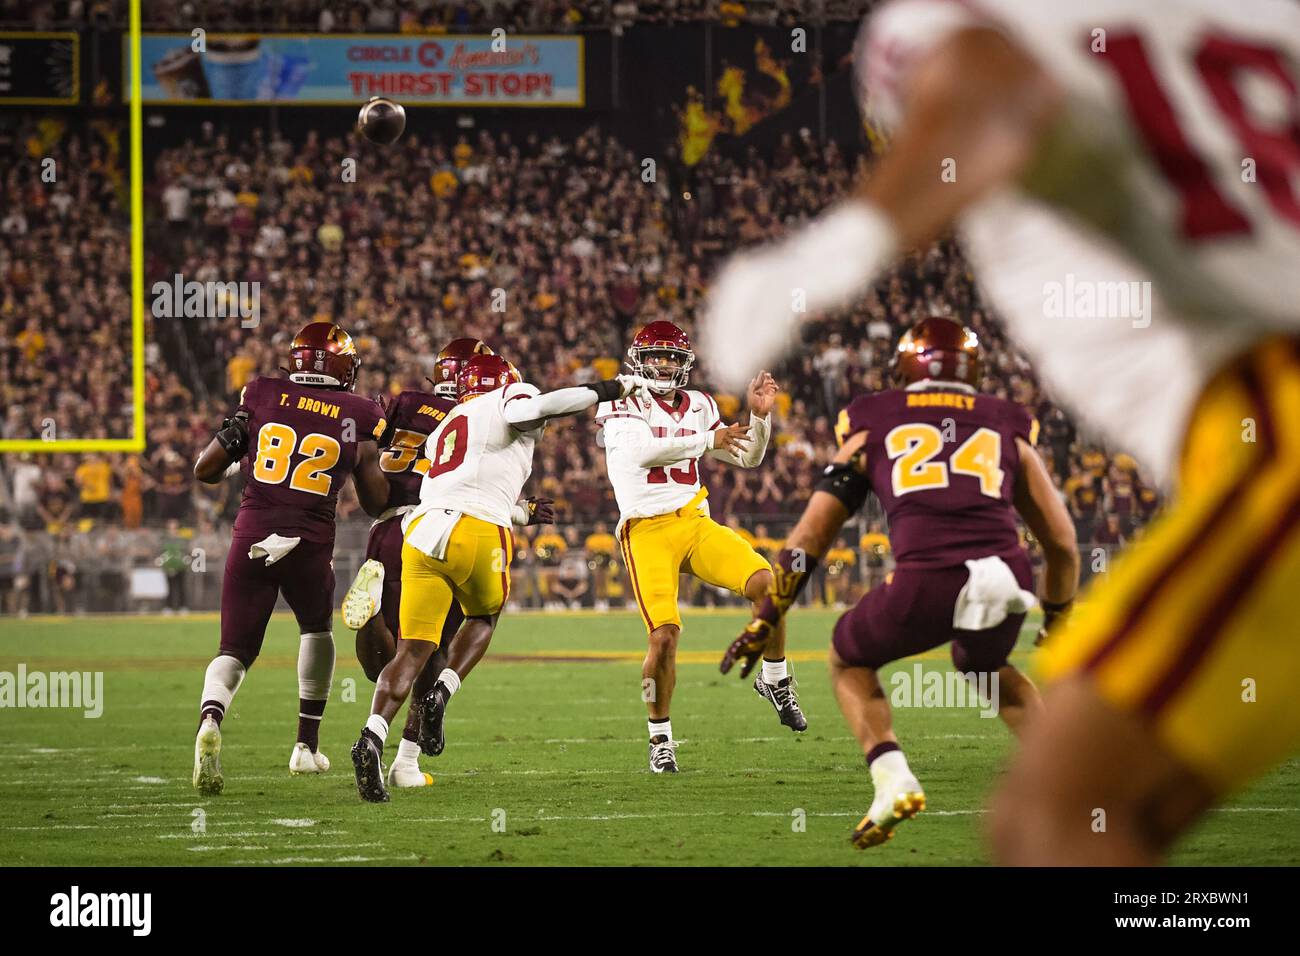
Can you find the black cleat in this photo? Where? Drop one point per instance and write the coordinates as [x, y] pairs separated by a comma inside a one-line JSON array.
[[781, 697], [663, 755], [367, 760], [432, 709]]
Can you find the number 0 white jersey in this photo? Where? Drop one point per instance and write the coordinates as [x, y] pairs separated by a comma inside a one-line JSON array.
[[1157, 233], [478, 462]]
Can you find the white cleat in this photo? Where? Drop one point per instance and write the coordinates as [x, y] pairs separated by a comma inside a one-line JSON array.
[[361, 603], [302, 760], [400, 776], [207, 758], [901, 798]]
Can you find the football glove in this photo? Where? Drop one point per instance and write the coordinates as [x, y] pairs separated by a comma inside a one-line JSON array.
[[540, 510], [1052, 615], [233, 437], [747, 648]]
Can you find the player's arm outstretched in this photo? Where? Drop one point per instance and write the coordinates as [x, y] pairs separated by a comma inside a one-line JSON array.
[[761, 395], [1039, 504], [976, 98], [839, 493], [527, 411]]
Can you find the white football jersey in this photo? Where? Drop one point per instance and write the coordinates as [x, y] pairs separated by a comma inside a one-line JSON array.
[[647, 491], [1158, 231], [478, 462]]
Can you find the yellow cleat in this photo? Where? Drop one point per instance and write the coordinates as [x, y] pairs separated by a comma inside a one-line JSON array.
[[871, 832], [362, 600]]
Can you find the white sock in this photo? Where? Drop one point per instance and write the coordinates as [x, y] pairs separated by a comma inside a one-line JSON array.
[[408, 753], [377, 726], [660, 728], [892, 764], [223, 677], [774, 671], [451, 680], [315, 665]]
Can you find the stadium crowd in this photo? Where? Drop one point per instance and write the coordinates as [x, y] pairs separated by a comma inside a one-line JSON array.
[[551, 250]]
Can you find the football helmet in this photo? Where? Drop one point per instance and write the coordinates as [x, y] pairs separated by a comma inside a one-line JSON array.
[[940, 349], [447, 366], [652, 352], [483, 374], [323, 354]]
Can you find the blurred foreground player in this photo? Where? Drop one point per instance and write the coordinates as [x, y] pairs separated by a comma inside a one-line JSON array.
[[371, 604], [951, 468], [458, 545], [1123, 178], [297, 441]]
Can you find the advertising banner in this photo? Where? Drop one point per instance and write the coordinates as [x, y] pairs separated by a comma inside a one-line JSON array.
[[311, 69]]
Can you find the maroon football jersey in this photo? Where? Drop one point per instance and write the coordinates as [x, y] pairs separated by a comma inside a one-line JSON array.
[[943, 462], [414, 416], [302, 446]]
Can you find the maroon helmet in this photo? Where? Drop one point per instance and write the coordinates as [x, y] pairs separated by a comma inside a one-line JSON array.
[[940, 349], [447, 366], [662, 353], [483, 374], [323, 354]]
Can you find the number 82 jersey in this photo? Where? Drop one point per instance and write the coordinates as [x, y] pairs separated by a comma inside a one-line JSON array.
[[943, 461]]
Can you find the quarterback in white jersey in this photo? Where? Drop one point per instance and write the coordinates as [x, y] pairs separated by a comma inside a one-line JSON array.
[[458, 544], [1124, 178], [653, 445]]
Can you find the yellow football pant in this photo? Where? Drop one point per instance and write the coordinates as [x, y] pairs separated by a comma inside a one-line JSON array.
[[657, 550], [1195, 627], [476, 572]]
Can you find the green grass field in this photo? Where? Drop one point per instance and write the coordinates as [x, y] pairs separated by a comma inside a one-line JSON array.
[[545, 761]]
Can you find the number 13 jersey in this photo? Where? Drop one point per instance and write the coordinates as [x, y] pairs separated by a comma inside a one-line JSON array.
[[478, 462], [647, 490]]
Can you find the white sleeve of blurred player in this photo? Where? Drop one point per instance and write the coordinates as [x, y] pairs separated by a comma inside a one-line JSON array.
[[760, 432], [761, 296], [628, 438]]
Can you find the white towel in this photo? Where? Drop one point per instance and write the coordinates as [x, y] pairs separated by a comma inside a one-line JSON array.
[[989, 595], [273, 548], [432, 533]]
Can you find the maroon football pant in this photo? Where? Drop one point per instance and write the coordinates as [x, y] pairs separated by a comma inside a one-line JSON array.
[[913, 614], [305, 576]]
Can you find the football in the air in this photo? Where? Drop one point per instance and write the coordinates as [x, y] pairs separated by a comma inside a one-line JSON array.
[[381, 120]]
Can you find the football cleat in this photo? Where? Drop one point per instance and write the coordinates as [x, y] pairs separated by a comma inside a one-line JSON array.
[[782, 697], [362, 600], [207, 758], [663, 755], [302, 760], [432, 710], [400, 777], [367, 761], [890, 808]]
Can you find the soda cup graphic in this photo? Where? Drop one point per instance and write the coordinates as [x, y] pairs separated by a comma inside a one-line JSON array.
[[234, 68], [180, 74]]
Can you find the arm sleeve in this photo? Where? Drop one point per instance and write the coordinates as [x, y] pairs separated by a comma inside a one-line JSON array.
[[629, 437], [760, 430], [521, 407]]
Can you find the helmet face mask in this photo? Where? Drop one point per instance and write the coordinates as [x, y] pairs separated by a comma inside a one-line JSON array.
[[662, 353]]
